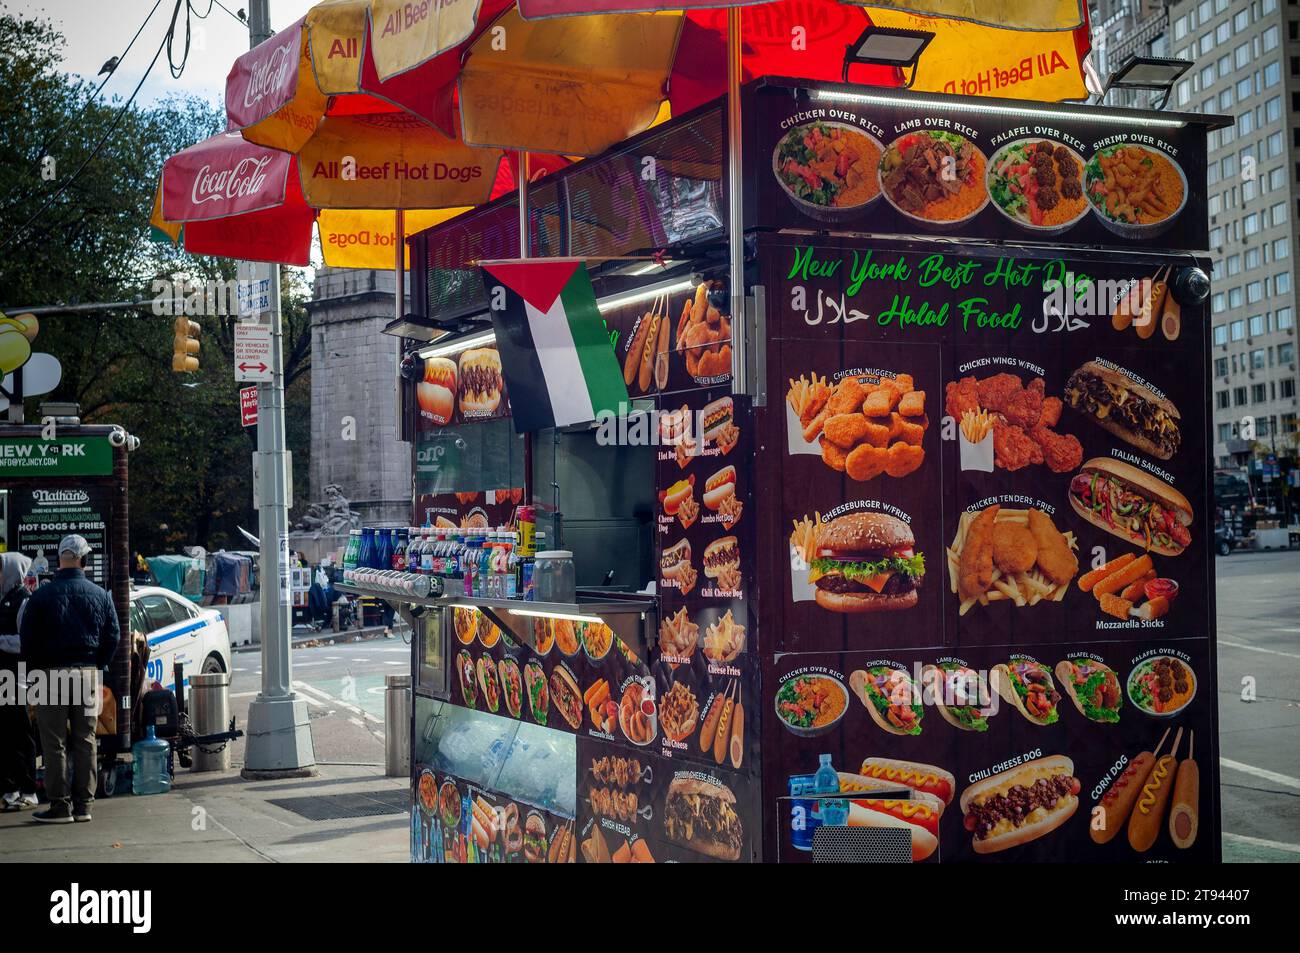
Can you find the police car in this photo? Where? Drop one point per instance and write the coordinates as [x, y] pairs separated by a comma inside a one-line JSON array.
[[178, 631]]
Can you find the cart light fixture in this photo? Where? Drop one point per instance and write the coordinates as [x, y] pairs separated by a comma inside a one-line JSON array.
[[460, 344], [884, 46], [557, 615], [415, 326], [1149, 72], [643, 294], [986, 106]]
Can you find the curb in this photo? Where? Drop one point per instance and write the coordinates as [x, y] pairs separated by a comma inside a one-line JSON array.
[[329, 637]]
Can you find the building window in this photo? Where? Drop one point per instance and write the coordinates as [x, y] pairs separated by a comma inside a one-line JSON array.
[[1270, 39], [1252, 258], [1282, 283], [1287, 387], [1241, 20], [1276, 178], [1273, 145], [1258, 394], [1241, 56], [1273, 109], [1282, 318], [1239, 397], [1258, 326], [1234, 264], [1237, 330], [1234, 299], [1272, 74], [1257, 359], [1285, 353], [1220, 367], [1225, 433], [1221, 334], [1250, 224]]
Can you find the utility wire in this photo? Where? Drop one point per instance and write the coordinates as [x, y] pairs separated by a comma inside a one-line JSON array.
[[94, 153]]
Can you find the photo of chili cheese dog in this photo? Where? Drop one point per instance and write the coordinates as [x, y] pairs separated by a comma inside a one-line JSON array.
[[1149, 811], [1021, 804], [919, 817], [913, 774], [1184, 816], [1117, 803]]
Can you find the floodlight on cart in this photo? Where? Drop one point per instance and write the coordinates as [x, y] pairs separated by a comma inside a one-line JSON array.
[[1149, 72], [885, 46]]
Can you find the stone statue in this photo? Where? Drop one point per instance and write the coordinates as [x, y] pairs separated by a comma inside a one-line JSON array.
[[333, 517]]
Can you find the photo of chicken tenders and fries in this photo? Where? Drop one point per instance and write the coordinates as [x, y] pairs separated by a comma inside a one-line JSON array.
[[1017, 555], [1020, 419], [866, 425]]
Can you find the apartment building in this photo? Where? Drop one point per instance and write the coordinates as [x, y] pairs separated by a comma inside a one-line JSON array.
[[1247, 56]]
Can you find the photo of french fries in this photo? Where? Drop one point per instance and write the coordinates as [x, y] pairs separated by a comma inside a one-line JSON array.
[[1013, 555], [803, 542], [864, 425], [1128, 587]]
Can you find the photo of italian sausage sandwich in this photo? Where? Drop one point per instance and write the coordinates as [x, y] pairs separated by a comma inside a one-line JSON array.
[[961, 695], [890, 697], [1122, 406], [1021, 804], [1029, 687], [866, 562], [1136, 506]]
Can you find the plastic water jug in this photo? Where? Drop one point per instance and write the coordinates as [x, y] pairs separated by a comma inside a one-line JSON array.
[[150, 775]]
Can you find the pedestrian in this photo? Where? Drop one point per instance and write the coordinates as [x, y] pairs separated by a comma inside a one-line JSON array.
[[17, 739], [69, 631]]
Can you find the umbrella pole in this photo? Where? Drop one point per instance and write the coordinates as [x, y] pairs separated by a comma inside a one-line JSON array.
[[521, 177], [735, 217], [399, 262]]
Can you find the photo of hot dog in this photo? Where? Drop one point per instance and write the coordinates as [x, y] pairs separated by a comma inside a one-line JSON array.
[[717, 421], [1117, 803], [675, 567], [436, 394], [1021, 804], [1149, 811], [719, 487], [1184, 816], [919, 816], [1134, 505], [913, 774]]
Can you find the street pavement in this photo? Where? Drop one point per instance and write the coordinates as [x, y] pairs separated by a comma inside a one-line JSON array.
[[343, 685], [1259, 741]]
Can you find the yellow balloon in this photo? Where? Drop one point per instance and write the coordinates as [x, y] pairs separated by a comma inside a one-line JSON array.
[[15, 349]]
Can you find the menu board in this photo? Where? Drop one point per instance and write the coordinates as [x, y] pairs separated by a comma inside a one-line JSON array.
[[456, 822], [908, 164], [42, 517], [991, 585]]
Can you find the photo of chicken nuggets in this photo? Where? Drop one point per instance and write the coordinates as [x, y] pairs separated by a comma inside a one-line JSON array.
[[832, 455], [847, 397], [902, 459], [880, 402], [911, 433], [866, 462], [814, 427], [904, 382], [912, 403], [880, 435], [845, 430]]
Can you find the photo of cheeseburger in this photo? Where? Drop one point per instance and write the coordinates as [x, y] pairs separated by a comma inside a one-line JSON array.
[[436, 393], [480, 381], [866, 562]]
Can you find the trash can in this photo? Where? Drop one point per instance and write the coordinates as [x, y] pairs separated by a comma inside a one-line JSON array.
[[397, 725], [210, 715]]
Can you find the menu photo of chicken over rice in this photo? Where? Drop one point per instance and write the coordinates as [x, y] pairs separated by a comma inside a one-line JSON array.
[[1006, 423]]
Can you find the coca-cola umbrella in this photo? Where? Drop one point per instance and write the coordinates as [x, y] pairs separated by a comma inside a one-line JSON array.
[[231, 198]]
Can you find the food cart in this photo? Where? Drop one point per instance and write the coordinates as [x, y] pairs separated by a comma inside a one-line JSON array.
[[929, 540], [76, 482]]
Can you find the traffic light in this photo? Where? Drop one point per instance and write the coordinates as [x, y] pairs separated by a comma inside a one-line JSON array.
[[185, 346]]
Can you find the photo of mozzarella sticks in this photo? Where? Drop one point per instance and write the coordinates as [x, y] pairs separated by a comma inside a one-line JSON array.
[[1129, 587]]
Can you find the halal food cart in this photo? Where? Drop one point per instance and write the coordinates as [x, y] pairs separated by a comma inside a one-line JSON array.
[[928, 526]]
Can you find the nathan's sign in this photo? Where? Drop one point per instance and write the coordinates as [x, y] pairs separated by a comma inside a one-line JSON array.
[[70, 456]]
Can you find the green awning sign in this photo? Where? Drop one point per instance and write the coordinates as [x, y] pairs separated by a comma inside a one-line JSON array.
[[67, 456]]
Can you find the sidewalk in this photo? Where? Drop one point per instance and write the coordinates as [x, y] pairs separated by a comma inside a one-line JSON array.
[[221, 818]]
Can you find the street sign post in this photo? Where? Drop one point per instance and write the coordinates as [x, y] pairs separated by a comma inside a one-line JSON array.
[[253, 352], [248, 406]]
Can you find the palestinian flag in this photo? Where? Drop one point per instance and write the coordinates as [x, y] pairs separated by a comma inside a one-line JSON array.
[[556, 356]]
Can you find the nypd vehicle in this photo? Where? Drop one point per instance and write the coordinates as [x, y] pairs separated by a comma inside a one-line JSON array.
[[178, 631]]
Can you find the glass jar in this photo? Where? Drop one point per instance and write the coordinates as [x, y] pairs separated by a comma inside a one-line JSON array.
[[554, 577]]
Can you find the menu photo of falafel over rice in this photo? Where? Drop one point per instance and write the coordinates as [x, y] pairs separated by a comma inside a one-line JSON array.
[[1007, 424]]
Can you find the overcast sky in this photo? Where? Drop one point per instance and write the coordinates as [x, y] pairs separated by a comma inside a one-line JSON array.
[[99, 29]]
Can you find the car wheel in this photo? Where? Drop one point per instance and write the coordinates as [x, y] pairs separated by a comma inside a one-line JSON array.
[[211, 666], [1224, 548]]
